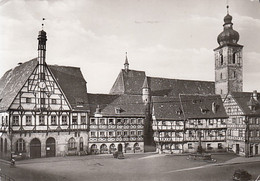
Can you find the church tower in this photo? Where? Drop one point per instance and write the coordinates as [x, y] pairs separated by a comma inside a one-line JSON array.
[[228, 60], [146, 92]]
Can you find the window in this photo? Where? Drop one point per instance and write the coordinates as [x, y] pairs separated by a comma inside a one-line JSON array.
[[28, 120], [200, 122], [164, 123], [28, 100], [92, 121], [220, 146], [191, 122], [140, 121], [15, 120], [221, 76], [53, 120], [221, 59], [209, 146], [119, 121], [111, 121], [133, 121], [190, 146], [42, 76], [72, 144], [102, 121], [234, 58], [190, 133], [132, 133], [64, 120], [93, 134], [229, 132], [102, 134], [140, 133], [211, 122], [223, 121], [240, 133], [41, 120], [42, 101], [234, 74], [53, 101], [125, 121], [74, 119], [20, 145], [110, 133], [257, 133], [83, 119], [119, 133], [125, 133]]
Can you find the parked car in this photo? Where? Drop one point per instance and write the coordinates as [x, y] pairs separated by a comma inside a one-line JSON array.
[[241, 175]]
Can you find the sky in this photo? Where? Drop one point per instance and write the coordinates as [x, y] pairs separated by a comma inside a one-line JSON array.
[[169, 38]]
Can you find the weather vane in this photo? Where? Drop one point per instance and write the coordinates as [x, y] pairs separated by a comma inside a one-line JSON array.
[[227, 7], [43, 22]]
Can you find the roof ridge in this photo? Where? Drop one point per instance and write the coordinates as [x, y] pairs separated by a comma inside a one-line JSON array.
[[181, 79]]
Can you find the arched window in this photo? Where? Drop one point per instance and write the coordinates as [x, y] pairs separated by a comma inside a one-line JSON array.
[[20, 145], [72, 144], [5, 148], [221, 59], [234, 58]]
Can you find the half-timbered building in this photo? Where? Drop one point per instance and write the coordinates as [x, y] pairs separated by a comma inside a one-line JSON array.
[[43, 109], [116, 123], [243, 128]]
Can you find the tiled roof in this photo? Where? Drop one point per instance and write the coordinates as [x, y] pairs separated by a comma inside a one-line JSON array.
[[70, 80], [128, 105], [174, 87], [72, 84], [12, 82], [129, 82], [242, 99], [167, 108], [132, 81], [201, 106]]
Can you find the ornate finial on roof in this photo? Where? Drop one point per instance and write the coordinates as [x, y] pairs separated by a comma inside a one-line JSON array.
[[43, 22], [227, 7], [126, 62]]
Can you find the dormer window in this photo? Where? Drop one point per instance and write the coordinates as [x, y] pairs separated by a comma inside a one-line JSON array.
[[118, 110], [204, 110], [179, 111]]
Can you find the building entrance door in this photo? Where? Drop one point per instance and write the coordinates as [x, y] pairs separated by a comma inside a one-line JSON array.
[[120, 148], [237, 148], [50, 147], [251, 150], [256, 149], [35, 148]]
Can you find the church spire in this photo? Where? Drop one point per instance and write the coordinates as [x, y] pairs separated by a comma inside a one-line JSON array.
[[126, 65]]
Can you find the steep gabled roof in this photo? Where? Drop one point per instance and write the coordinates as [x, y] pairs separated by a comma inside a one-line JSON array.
[[70, 79], [174, 87], [242, 99], [12, 82], [201, 106], [128, 105], [167, 108], [72, 84], [129, 82], [132, 81]]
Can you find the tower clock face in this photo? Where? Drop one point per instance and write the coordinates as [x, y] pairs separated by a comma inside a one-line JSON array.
[[42, 85]]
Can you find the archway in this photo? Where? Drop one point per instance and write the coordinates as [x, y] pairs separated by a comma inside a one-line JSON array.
[[35, 148], [5, 150], [81, 145], [136, 147], [50, 147], [93, 149], [120, 147], [2, 147], [103, 149], [112, 148]]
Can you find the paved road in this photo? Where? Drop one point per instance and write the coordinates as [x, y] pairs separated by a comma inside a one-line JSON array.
[[133, 167]]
